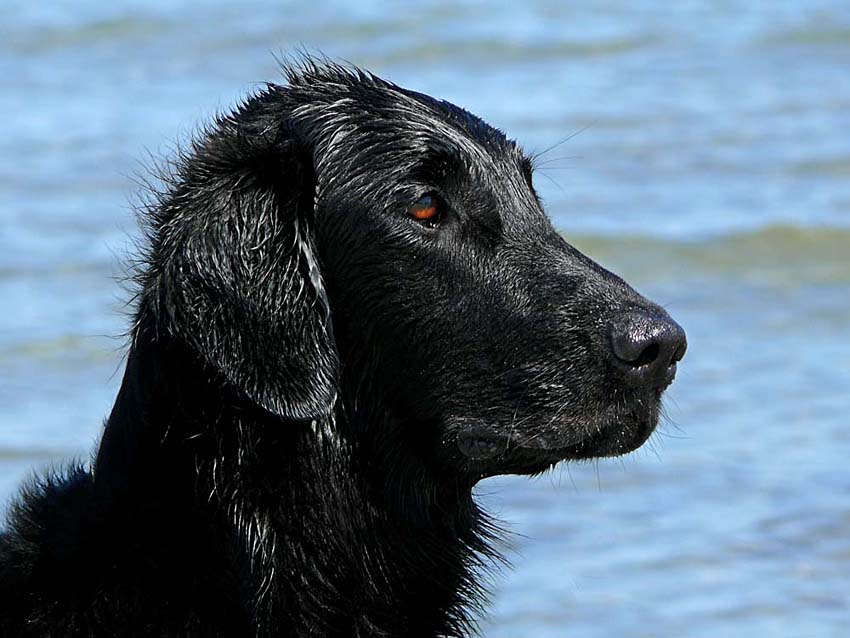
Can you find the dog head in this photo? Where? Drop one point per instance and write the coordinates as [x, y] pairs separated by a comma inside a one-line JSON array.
[[341, 234]]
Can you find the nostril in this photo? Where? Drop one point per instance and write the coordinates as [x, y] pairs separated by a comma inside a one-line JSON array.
[[646, 347], [634, 350], [649, 354]]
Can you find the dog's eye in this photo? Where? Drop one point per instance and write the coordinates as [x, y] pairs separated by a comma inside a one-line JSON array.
[[428, 210]]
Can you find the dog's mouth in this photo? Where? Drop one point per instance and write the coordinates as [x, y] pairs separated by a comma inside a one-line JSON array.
[[490, 453]]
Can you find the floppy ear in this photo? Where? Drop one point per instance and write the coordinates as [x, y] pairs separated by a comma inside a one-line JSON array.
[[242, 283]]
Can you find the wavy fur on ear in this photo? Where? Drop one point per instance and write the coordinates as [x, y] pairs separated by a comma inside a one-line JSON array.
[[232, 267]]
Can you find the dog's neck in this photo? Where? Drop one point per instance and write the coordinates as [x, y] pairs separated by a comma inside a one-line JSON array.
[[390, 556]]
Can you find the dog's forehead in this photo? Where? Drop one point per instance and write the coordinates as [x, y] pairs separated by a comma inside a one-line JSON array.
[[443, 125], [357, 114], [359, 126], [464, 123]]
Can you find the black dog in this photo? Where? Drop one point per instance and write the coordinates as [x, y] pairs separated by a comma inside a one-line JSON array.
[[352, 309]]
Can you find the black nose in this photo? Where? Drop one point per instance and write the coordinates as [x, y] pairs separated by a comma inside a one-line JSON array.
[[645, 347]]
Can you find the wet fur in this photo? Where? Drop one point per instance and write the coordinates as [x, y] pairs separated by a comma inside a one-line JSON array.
[[282, 456]]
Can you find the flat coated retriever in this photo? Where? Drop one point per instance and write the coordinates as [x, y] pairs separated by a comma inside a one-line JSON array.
[[351, 309]]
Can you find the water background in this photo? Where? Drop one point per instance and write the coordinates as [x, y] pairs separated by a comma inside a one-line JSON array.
[[708, 162]]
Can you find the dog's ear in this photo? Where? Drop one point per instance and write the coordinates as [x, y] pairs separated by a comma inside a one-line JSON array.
[[242, 282]]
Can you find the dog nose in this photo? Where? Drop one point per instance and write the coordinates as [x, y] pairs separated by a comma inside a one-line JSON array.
[[646, 347]]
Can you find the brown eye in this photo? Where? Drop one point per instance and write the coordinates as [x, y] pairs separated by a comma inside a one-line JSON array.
[[429, 210]]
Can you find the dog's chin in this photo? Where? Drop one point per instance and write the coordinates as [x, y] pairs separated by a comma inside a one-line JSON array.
[[490, 454]]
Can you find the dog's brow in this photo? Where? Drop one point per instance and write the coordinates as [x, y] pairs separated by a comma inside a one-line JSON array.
[[440, 161]]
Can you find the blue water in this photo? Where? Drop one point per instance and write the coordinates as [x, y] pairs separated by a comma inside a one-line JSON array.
[[705, 156]]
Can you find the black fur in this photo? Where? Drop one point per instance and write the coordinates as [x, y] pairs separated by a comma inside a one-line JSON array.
[[316, 381]]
